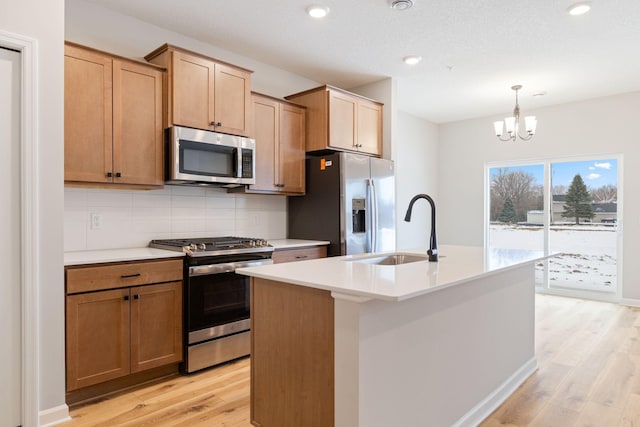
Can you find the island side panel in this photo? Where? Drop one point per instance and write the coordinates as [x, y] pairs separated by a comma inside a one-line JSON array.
[[445, 358], [292, 355]]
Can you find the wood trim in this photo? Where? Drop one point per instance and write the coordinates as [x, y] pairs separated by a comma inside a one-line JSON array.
[[330, 88], [87, 394], [169, 47], [280, 100], [110, 276], [298, 254], [121, 58], [292, 355]]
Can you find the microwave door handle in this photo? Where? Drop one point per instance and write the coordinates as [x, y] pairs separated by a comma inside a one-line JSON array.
[[239, 162]]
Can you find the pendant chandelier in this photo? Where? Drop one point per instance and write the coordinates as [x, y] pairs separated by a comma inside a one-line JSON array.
[[512, 124]]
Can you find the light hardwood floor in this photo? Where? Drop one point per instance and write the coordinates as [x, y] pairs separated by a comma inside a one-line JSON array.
[[589, 375]]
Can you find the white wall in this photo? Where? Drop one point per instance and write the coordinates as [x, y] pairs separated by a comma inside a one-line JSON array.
[[100, 28], [132, 218], [43, 20], [417, 169], [597, 127]]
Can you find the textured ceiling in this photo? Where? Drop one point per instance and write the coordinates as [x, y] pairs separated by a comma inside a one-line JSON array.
[[473, 50]]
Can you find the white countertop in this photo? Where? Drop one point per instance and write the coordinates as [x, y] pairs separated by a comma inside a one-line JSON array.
[[457, 264], [136, 254], [117, 255], [296, 243]]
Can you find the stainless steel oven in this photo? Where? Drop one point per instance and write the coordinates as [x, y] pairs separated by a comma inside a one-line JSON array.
[[216, 299]]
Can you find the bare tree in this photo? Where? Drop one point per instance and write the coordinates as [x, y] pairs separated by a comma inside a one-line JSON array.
[[605, 194], [518, 186], [559, 190]]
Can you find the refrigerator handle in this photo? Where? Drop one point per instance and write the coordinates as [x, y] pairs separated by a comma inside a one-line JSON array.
[[374, 216], [369, 217]]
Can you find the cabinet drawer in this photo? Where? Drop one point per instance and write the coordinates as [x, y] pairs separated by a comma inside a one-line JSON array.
[[301, 254], [94, 278]]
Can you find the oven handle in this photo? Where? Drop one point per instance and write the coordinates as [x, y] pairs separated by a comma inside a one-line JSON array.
[[227, 267]]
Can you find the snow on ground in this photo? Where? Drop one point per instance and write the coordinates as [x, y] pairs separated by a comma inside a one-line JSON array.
[[588, 259]]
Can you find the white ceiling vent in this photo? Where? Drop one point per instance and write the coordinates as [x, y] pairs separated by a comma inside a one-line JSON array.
[[401, 4]]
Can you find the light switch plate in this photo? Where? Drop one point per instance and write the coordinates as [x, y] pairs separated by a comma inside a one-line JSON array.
[[96, 221]]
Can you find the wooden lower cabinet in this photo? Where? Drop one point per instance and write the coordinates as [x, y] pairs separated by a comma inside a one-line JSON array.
[[115, 333], [97, 337], [156, 325], [292, 355]]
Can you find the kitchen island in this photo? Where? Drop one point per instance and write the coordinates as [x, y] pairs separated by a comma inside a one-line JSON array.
[[349, 341]]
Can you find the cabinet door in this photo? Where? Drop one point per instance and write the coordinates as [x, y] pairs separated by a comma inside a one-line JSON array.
[[265, 121], [156, 325], [369, 129], [192, 91], [232, 102], [137, 124], [291, 149], [97, 337], [342, 121], [87, 116]]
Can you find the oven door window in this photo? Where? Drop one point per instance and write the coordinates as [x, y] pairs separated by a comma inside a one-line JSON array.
[[207, 159], [217, 299]]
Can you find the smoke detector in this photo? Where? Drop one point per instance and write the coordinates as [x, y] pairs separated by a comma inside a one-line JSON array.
[[401, 4]]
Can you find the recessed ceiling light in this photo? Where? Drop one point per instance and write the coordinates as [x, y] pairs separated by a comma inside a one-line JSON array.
[[578, 7], [401, 4], [317, 11], [412, 59]]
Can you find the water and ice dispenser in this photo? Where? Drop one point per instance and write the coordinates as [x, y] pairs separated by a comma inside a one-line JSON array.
[[358, 215]]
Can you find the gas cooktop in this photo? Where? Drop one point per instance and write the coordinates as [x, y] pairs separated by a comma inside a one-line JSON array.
[[208, 246]]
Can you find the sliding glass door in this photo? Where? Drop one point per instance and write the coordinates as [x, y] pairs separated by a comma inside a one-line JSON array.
[[516, 209], [584, 225], [570, 207]]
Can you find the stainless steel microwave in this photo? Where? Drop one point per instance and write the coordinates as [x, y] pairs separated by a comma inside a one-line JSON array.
[[201, 157]]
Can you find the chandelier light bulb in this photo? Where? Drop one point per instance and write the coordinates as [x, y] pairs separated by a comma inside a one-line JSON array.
[[511, 124]]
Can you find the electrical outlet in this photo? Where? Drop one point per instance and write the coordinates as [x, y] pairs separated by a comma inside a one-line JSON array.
[[96, 221]]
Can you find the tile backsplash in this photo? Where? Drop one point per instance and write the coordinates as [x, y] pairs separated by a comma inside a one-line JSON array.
[[110, 219]]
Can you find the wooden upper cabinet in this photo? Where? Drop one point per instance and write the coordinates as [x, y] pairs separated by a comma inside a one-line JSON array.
[[204, 93], [113, 120], [279, 131], [88, 130], [291, 149], [340, 120], [343, 131], [137, 120], [369, 126]]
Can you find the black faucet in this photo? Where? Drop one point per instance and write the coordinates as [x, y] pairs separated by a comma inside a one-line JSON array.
[[433, 243]]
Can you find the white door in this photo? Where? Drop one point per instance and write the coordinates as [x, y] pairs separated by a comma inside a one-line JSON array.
[[10, 258]]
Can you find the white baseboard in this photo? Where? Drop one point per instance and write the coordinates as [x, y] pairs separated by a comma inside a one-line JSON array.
[[53, 416], [489, 404], [631, 302]]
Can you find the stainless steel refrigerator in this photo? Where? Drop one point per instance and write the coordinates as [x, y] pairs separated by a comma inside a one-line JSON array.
[[349, 201]]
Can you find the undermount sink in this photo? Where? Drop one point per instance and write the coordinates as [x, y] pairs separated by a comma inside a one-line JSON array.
[[392, 259]]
